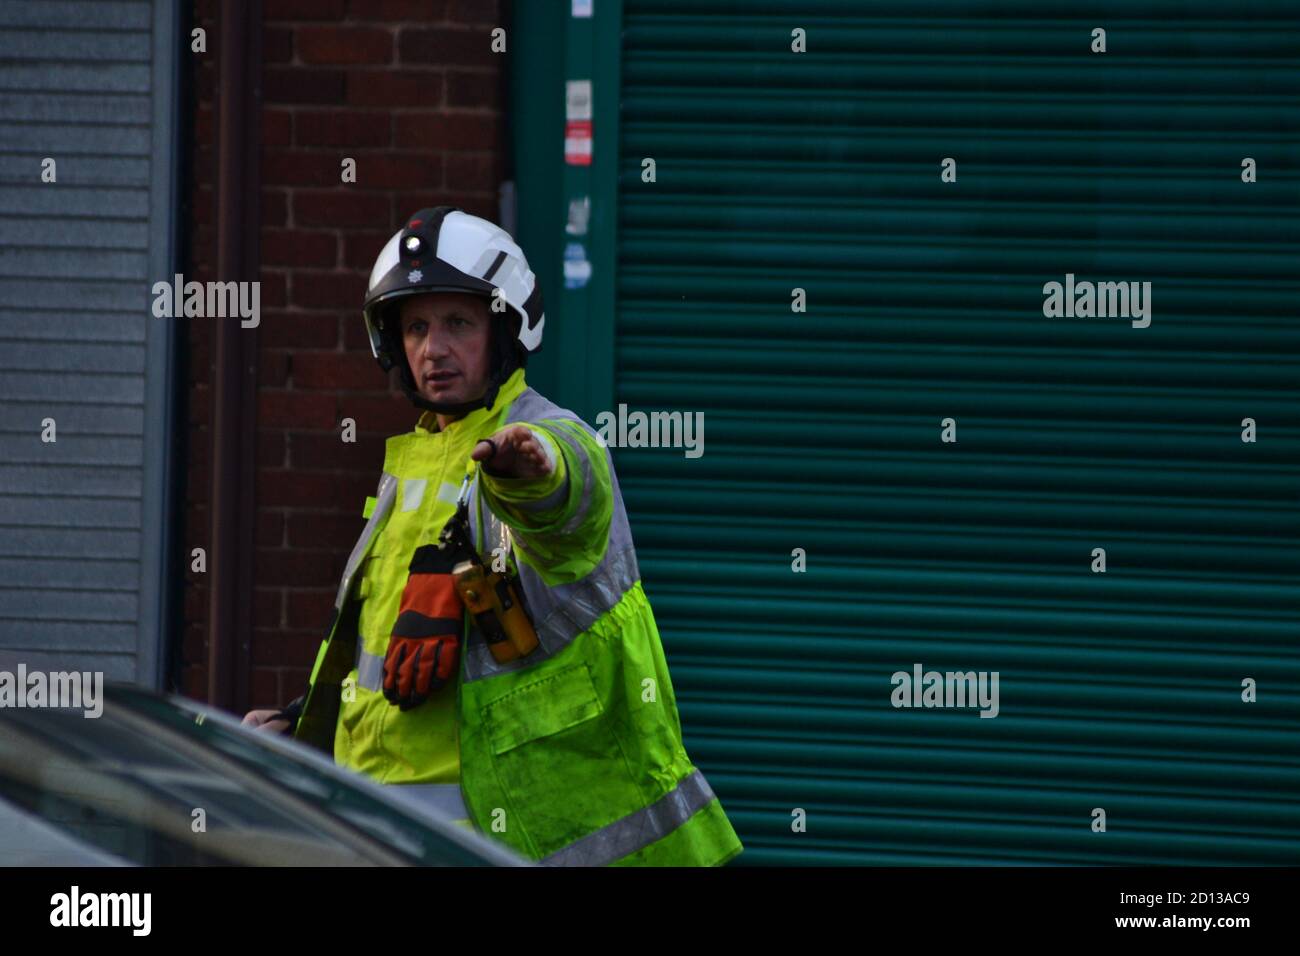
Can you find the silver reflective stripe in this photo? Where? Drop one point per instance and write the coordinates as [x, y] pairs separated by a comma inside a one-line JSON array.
[[639, 829], [413, 492], [578, 606], [442, 798], [448, 491], [383, 503], [370, 667]]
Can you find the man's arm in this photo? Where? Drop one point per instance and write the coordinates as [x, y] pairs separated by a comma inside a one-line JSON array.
[[549, 481]]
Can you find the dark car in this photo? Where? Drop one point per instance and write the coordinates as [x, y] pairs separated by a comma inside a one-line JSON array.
[[165, 781]]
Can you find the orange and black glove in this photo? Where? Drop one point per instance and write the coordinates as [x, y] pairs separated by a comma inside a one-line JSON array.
[[424, 649]]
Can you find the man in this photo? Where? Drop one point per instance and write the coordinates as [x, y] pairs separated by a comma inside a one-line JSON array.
[[571, 750]]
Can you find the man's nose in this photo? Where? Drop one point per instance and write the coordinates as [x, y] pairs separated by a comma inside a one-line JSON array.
[[435, 344]]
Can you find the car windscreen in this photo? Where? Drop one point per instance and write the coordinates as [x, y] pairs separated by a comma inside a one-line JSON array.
[[304, 773], [160, 789]]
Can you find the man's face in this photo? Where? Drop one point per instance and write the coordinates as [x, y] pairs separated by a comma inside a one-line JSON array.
[[447, 337]]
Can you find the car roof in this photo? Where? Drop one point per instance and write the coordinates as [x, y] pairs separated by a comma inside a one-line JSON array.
[[261, 787]]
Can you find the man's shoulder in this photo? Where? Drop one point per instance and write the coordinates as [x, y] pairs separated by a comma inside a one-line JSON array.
[[531, 405]]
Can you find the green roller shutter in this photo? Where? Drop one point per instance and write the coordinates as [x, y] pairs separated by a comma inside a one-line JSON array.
[[821, 171]]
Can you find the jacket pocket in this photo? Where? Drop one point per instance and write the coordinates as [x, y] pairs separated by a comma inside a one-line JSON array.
[[545, 707], [559, 759]]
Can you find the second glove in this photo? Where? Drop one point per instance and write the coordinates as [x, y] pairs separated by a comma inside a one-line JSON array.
[[424, 649]]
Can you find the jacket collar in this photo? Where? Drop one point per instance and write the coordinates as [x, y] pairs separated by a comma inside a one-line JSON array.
[[510, 389]]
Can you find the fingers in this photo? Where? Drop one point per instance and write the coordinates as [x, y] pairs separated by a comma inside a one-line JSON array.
[[412, 686], [532, 456], [445, 666], [499, 448], [406, 674], [515, 452], [415, 669], [260, 718], [392, 664]]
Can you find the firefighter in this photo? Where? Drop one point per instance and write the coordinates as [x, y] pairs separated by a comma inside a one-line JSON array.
[[524, 691]]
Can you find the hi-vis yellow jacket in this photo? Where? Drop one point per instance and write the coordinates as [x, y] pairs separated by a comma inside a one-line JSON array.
[[572, 755]]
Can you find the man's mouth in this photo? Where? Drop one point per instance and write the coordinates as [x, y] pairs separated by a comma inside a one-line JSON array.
[[439, 378]]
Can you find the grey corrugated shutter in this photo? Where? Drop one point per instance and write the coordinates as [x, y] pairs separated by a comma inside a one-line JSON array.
[[82, 519], [821, 171]]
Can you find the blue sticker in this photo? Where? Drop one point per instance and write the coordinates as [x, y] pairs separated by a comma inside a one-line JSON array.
[[577, 269]]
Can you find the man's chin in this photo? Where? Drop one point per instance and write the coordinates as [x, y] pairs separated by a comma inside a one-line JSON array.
[[441, 396], [446, 396]]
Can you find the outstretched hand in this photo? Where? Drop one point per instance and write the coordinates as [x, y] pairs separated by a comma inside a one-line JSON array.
[[518, 454]]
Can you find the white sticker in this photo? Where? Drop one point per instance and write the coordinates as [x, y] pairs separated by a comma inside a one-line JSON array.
[[582, 8], [579, 214], [577, 100]]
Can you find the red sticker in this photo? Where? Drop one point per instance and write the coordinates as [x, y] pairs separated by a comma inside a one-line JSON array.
[[577, 142]]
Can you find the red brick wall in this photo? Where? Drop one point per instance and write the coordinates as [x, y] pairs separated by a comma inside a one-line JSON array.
[[410, 90]]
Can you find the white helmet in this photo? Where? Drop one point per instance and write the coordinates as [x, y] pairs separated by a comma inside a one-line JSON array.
[[444, 249]]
